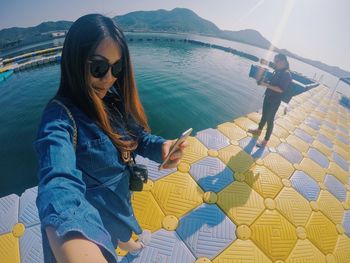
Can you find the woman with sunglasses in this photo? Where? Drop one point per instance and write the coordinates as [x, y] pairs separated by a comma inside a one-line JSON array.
[[82, 221], [275, 87]]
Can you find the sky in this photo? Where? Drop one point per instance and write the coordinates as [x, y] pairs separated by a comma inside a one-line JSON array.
[[315, 29]]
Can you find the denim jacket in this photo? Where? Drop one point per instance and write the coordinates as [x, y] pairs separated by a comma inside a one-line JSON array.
[[68, 199]]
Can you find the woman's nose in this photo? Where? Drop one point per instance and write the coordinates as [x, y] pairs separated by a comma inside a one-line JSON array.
[[108, 76]]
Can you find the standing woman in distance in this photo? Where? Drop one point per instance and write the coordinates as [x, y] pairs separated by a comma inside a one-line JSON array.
[[275, 87], [83, 220]]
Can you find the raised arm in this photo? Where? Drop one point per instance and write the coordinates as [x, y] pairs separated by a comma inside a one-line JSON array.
[[73, 226], [150, 145]]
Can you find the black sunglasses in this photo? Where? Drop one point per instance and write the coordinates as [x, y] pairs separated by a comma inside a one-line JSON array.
[[100, 67]]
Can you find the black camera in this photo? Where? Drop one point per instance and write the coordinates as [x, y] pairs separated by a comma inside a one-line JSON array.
[[138, 176]]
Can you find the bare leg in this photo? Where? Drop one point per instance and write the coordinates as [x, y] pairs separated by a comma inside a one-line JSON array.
[[78, 249]]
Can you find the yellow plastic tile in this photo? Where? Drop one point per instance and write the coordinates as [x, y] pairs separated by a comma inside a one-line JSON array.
[[342, 249], [235, 158], [341, 133], [322, 232], [313, 169], [147, 211], [308, 129], [297, 114], [245, 123], [274, 141], [307, 108], [203, 260], [347, 202], [331, 207], [313, 115], [293, 206], [316, 117], [9, 248], [343, 124], [232, 131], [241, 203], [170, 223], [194, 151], [18, 229], [254, 116], [242, 251], [292, 120], [322, 148], [284, 123], [338, 172], [319, 115], [332, 118], [177, 194], [297, 143], [274, 235], [262, 180], [326, 132], [345, 147], [280, 132], [243, 232], [210, 197], [213, 153], [184, 167], [278, 165], [343, 153]]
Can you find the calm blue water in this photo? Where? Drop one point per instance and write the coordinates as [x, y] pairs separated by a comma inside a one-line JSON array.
[[181, 85]]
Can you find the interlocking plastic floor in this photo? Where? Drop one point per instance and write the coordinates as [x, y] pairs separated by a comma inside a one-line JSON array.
[[229, 201]]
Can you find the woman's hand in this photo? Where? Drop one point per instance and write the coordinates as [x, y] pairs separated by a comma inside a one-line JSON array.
[[175, 156], [263, 83]]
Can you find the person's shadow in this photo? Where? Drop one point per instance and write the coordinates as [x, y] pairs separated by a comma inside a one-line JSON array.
[[203, 220], [253, 150]]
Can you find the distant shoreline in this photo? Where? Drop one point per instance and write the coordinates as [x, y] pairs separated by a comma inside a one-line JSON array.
[[241, 42], [185, 34]]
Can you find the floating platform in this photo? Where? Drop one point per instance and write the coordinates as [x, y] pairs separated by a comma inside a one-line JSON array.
[[229, 201], [5, 74]]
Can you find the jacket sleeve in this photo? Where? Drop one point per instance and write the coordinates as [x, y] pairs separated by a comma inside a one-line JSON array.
[[61, 202], [149, 145], [285, 81]]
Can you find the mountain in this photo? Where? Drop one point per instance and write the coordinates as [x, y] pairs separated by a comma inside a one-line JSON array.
[[15, 36], [318, 64], [248, 36], [184, 21], [178, 20]]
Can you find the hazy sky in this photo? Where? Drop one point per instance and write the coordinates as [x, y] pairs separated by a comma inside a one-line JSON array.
[[316, 29]]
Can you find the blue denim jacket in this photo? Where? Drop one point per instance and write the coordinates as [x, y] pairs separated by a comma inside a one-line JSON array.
[[68, 199]]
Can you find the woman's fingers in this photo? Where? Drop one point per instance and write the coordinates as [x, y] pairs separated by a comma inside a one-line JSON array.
[[171, 164], [166, 147], [179, 152], [183, 145], [176, 155]]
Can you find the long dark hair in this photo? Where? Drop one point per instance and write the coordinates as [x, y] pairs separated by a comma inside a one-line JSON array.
[[283, 58], [82, 39]]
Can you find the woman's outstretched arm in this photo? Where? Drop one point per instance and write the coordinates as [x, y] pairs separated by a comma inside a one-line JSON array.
[[73, 226]]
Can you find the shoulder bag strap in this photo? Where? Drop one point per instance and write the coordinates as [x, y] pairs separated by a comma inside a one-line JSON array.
[[71, 117]]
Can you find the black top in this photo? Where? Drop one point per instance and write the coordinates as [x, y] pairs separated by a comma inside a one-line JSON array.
[[282, 79]]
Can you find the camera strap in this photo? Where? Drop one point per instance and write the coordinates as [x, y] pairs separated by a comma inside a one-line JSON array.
[[127, 157]]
